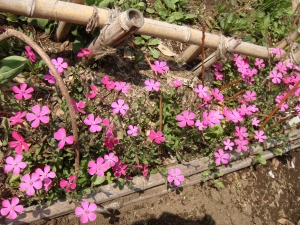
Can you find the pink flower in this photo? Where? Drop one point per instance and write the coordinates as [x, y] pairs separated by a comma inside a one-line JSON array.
[[14, 164], [122, 86], [218, 75], [94, 92], [176, 83], [241, 144], [200, 125], [235, 116], [108, 84], [30, 54], [152, 85], [217, 94], [259, 63], [17, 118], [221, 157], [22, 92], [212, 118], [78, 106], [160, 67], [201, 90], [68, 184], [111, 159], [38, 115], [59, 64], [281, 68], [255, 121], [276, 77], [45, 175], [157, 137], [119, 169], [277, 51], [174, 175], [259, 135], [86, 212], [133, 130], [110, 140], [218, 66], [250, 96], [10, 209], [186, 119], [50, 79], [84, 52], [29, 184], [99, 167], [119, 107], [62, 136], [19, 144], [228, 144], [244, 110], [145, 170], [278, 99], [241, 132], [93, 123]]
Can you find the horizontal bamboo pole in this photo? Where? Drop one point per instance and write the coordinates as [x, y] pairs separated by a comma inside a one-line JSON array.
[[80, 14]]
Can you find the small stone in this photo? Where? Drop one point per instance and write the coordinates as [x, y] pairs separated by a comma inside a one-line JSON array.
[[257, 221]]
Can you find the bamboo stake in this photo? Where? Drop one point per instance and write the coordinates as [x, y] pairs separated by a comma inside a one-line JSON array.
[[80, 14], [192, 52]]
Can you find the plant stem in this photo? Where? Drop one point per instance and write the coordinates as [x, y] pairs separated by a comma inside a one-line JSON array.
[[230, 84]]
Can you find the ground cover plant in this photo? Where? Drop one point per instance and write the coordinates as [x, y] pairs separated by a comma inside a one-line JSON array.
[[121, 136]]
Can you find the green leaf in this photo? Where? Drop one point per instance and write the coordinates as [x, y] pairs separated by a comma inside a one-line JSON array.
[[11, 17], [98, 180], [41, 23], [149, 10], [153, 171], [104, 3], [153, 41], [189, 16], [171, 3], [5, 124], [178, 156], [139, 41], [261, 160], [175, 16], [10, 67], [219, 183], [146, 37], [154, 53], [277, 151], [78, 43]]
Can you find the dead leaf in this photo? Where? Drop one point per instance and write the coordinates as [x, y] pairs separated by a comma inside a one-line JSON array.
[[285, 222], [165, 50], [63, 46], [275, 163], [59, 113]]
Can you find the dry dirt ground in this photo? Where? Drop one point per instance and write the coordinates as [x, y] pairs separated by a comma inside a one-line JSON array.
[[251, 196]]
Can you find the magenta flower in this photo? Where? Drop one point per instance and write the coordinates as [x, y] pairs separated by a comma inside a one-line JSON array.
[[217, 94], [78, 106], [94, 92], [145, 170], [110, 140], [62, 136], [30, 54], [200, 125], [160, 67], [50, 79], [218, 75], [212, 118], [84, 52], [17, 118], [241, 144], [29, 184], [218, 66], [250, 96], [99, 167], [174, 175], [22, 92], [19, 144], [133, 130], [277, 51], [176, 83], [157, 137], [241, 132], [119, 169], [59, 64], [93, 123], [186, 118], [201, 90], [86, 212], [38, 115], [281, 67], [276, 77], [45, 175], [152, 85], [221, 157], [108, 84], [259, 63], [255, 121], [259, 135], [111, 159], [10, 209], [68, 184], [119, 107], [14, 164], [122, 86], [228, 144]]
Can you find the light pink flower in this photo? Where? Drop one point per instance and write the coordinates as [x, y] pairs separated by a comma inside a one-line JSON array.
[[119, 107], [68, 184], [218, 75], [93, 93], [241, 144], [78, 106], [22, 92], [277, 51], [174, 175], [281, 67], [276, 77], [84, 52], [201, 90], [86, 212], [50, 79], [93, 123], [17, 118], [160, 67], [259, 63], [10, 209], [29, 184], [176, 83], [157, 137], [152, 85], [119, 169], [122, 86], [228, 144], [200, 125], [111, 159], [186, 118], [250, 96], [30, 54], [99, 167], [133, 130], [19, 144], [59, 64], [14, 164], [217, 94], [260, 135], [255, 121], [212, 118], [46, 175], [62, 136], [241, 132], [38, 115], [108, 84], [221, 157]]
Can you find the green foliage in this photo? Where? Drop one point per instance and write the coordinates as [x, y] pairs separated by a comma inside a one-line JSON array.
[[147, 42]]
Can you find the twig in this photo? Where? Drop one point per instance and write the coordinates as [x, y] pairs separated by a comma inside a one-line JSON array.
[[63, 88], [234, 96], [230, 84]]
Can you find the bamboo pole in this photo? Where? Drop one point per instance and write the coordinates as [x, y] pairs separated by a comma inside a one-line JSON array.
[[80, 14], [63, 27], [192, 52]]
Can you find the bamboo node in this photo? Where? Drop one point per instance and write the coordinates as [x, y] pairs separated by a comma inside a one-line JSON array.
[[226, 45], [93, 21], [188, 34]]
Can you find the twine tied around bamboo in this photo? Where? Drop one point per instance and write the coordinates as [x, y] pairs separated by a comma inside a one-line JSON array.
[[226, 45], [93, 21]]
